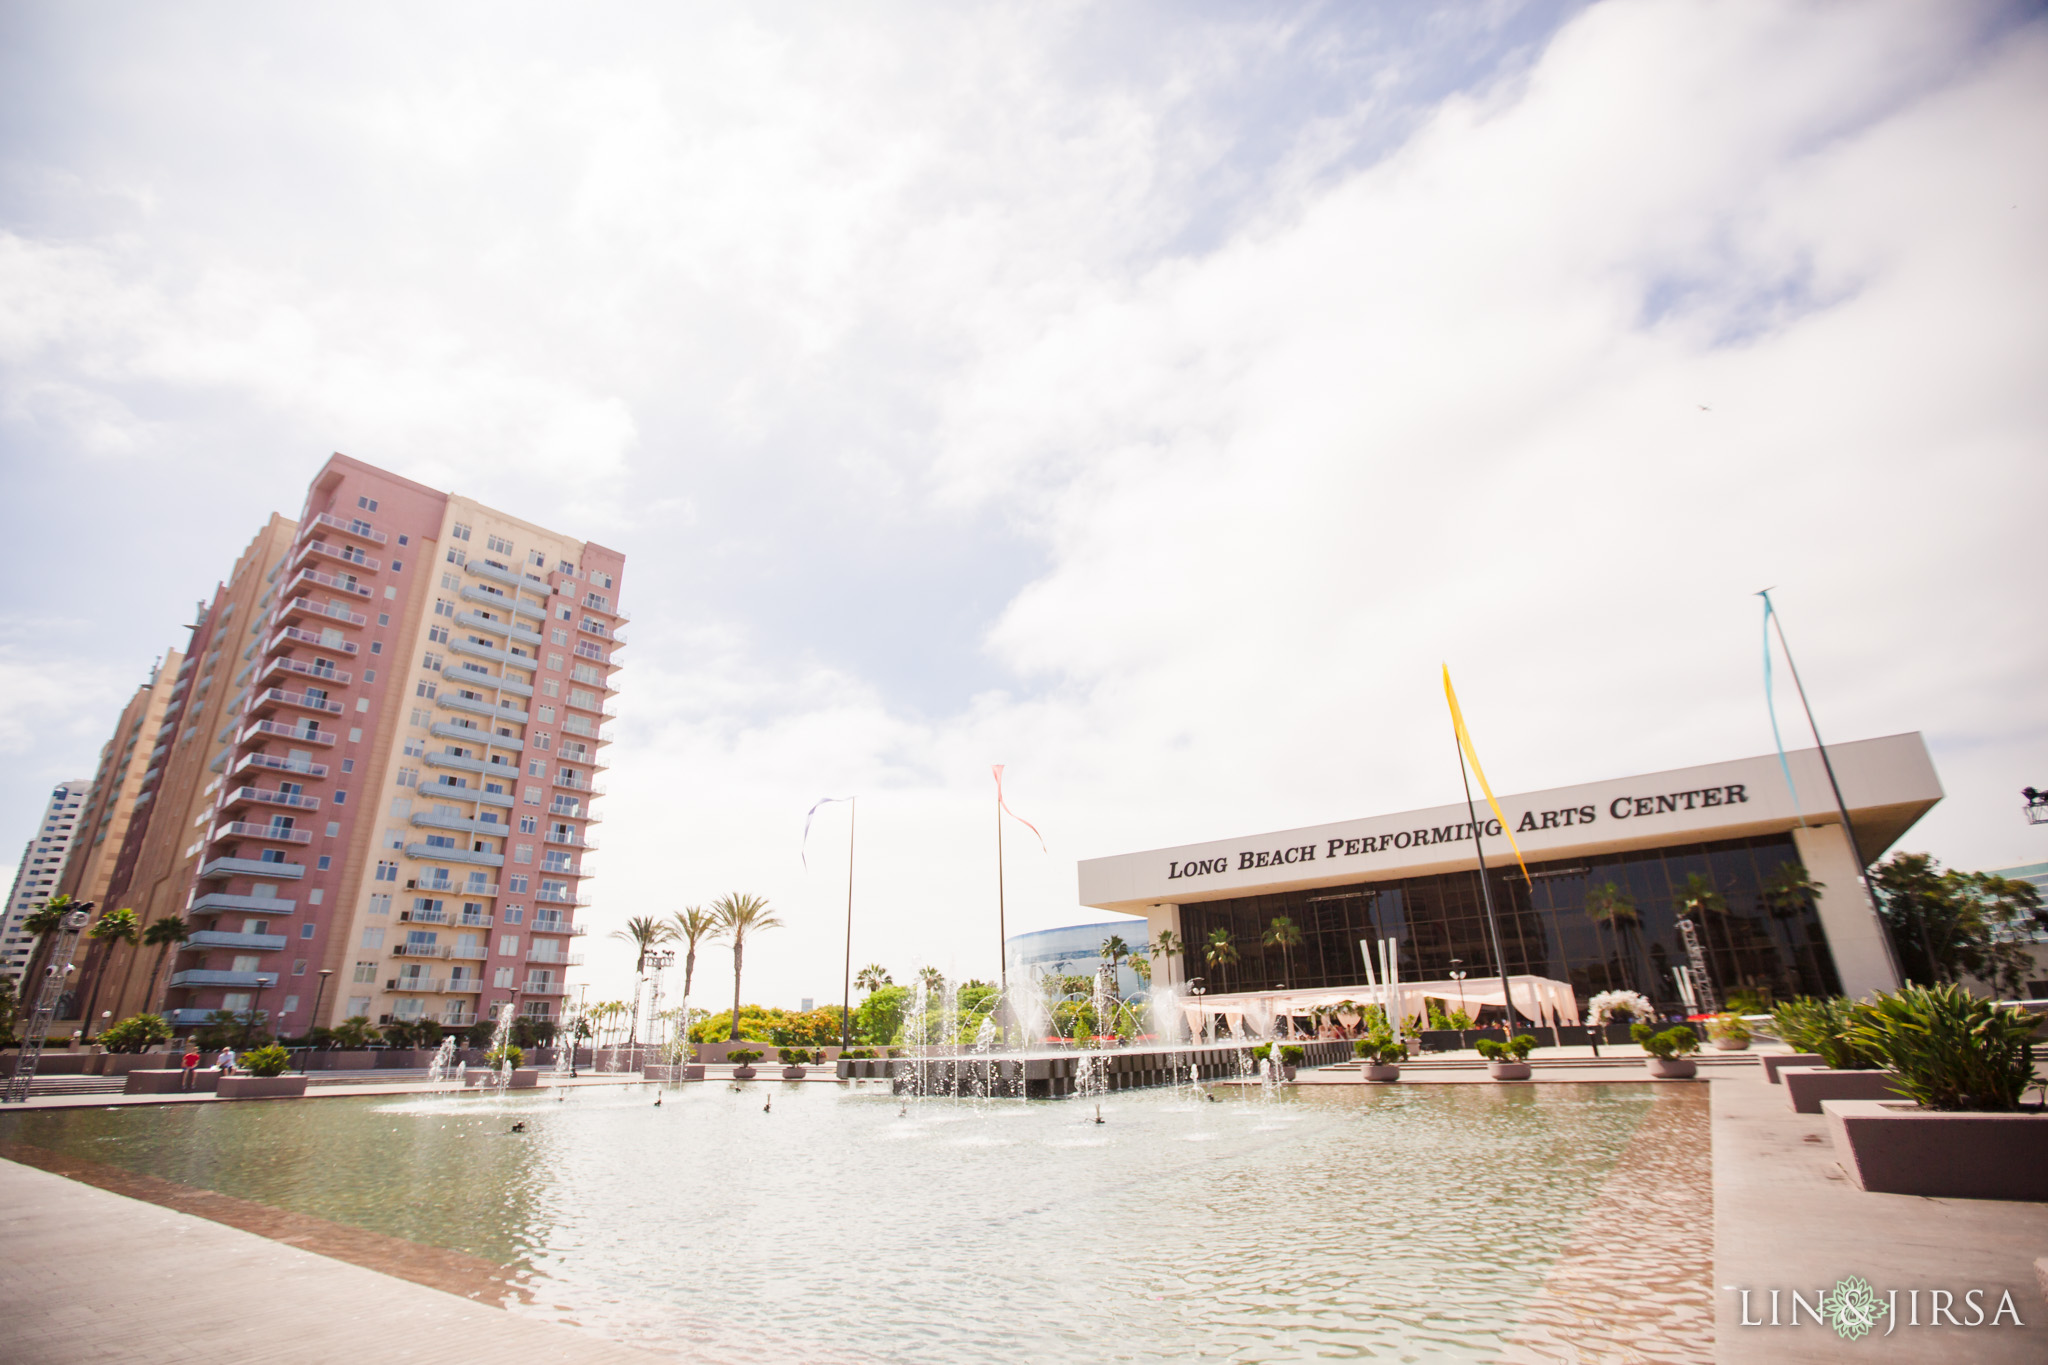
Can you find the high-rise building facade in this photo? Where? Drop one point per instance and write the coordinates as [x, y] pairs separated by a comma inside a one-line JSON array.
[[384, 808], [42, 864]]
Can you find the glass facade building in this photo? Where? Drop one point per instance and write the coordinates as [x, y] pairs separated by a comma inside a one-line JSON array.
[[1440, 921]]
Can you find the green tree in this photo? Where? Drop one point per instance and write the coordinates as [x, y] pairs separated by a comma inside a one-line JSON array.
[[879, 1019], [1168, 947], [872, 977], [934, 980], [1789, 890], [1114, 951], [1141, 967], [135, 1033], [1283, 933], [1219, 952], [1698, 898], [690, 927], [116, 926], [354, 1033], [738, 916], [645, 933], [161, 935], [44, 921], [1947, 926]]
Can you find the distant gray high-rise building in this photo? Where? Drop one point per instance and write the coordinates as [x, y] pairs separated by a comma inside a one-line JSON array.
[[36, 880]]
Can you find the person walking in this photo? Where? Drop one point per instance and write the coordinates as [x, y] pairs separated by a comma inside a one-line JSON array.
[[226, 1062], [191, 1077]]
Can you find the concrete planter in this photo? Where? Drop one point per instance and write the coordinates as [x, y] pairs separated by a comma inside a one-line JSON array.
[[1809, 1087], [1732, 1044], [1377, 1071], [524, 1078], [260, 1087], [1672, 1068], [1774, 1062], [1508, 1071], [794, 1073], [743, 1072], [169, 1081], [1894, 1148]]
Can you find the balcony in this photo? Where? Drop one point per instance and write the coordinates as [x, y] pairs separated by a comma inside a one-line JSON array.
[[265, 797], [251, 867], [435, 820], [542, 958], [181, 1017], [356, 526], [569, 806], [555, 924], [588, 649], [326, 580], [201, 976], [219, 938], [456, 730], [215, 903], [551, 897], [277, 696], [460, 762], [459, 921], [539, 986], [292, 635], [323, 612], [514, 686], [476, 706], [347, 554], [281, 731], [490, 798], [476, 620], [430, 985], [284, 664], [601, 631], [453, 855], [476, 650], [282, 834], [450, 887], [509, 577], [454, 1018], [489, 597], [571, 839], [441, 951], [282, 765], [579, 783]]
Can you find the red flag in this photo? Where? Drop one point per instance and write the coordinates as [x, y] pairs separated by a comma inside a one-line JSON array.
[[997, 768]]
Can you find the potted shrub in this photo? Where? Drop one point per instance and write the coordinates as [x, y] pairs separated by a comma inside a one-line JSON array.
[[794, 1060], [1610, 1007], [1382, 1053], [1729, 1033], [743, 1059], [1670, 1051], [1508, 1061], [1291, 1057], [262, 1076], [1964, 1064]]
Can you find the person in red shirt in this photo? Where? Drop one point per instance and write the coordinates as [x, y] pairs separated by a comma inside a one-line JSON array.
[[191, 1060]]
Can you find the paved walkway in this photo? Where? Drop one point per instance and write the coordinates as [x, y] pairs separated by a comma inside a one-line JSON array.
[[313, 1092], [94, 1276]]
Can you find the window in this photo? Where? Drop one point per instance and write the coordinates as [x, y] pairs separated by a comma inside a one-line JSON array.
[[586, 700], [536, 768], [597, 600], [451, 582], [405, 540], [306, 930], [383, 618], [422, 716], [523, 853], [408, 777], [540, 741], [367, 504], [547, 713], [537, 559], [518, 882], [366, 972], [348, 765], [387, 871], [424, 689], [326, 861], [413, 747], [401, 807], [299, 963], [372, 938], [502, 977], [333, 828], [555, 661], [432, 663], [291, 1004], [379, 905], [499, 544], [508, 945], [603, 580], [439, 635], [528, 824], [398, 566], [457, 556], [533, 796], [443, 607], [340, 798], [458, 532], [394, 838], [566, 614], [514, 914], [560, 637]]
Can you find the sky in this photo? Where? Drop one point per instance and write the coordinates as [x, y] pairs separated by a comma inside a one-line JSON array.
[[1147, 397]]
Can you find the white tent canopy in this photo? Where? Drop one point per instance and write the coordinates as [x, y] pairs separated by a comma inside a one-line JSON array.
[[1538, 999]]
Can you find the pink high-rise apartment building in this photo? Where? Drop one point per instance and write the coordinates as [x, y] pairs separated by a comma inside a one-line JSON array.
[[399, 804]]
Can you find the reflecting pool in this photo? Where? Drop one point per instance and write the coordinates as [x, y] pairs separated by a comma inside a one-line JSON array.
[[781, 1222]]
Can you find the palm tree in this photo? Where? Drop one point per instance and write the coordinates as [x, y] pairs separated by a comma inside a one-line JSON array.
[[934, 980], [44, 921], [1608, 904], [691, 926], [160, 935], [1283, 933], [645, 933], [1141, 967], [1169, 946], [1114, 951], [1699, 896], [738, 916], [1219, 952], [116, 926], [872, 977], [1789, 890]]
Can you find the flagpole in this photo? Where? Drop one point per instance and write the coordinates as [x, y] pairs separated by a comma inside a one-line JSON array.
[[1486, 889], [1841, 806], [846, 1007], [1002, 911]]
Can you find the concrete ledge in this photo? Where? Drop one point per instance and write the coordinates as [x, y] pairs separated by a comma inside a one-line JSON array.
[[1894, 1148], [1809, 1087], [260, 1087], [171, 1082], [1773, 1062]]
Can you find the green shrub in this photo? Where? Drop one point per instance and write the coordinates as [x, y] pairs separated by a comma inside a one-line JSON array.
[[1380, 1048], [794, 1056], [1821, 1026], [744, 1056], [135, 1033], [1515, 1049], [265, 1061], [1677, 1041], [1951, 1050], [858, 1053], [499, 1056], [1728, 1026]]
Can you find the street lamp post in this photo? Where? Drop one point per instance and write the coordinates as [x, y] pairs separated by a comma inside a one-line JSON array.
[[1459, 977], [313, 1019]]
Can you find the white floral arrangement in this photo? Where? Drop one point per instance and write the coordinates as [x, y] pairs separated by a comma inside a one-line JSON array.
[[1616, 1004]]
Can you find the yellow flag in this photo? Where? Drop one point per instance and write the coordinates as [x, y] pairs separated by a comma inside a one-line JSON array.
[[1465, 743]]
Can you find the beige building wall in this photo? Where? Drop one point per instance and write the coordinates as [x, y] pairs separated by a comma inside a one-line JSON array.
[[123, 762]]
